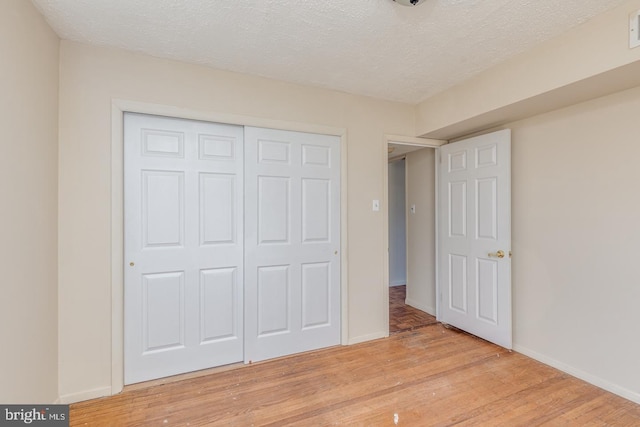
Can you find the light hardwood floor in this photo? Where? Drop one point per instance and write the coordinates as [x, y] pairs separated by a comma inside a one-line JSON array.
[[430, 376]]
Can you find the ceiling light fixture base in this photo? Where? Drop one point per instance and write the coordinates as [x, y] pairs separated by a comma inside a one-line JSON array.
[[409, 2]]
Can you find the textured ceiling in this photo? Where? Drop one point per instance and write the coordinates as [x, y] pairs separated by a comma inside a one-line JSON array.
[[370, 47]]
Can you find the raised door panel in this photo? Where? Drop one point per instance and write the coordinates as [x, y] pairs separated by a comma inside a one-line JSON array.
[[163, 311], [316, 210], [217, 147], [218, 214], [316, 295], [163, 143], [316, 156], [458, 280], [162, 208], [487, 290], [486, 156], [274, 152], [219, 304], [457, 213], [274, 300], [486, 208], [273, 209]]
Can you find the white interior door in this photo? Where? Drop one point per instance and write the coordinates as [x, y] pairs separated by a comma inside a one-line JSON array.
[[292, 239], [183, 246], [474, 236]]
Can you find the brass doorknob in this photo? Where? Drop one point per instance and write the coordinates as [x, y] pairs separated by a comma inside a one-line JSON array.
[[499, 254]]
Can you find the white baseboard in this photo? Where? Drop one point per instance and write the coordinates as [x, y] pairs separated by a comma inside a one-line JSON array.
[[420, 306], [85, 395], [370, 337], [578, 373]]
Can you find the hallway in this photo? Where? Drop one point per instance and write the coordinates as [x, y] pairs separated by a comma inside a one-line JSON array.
[[403, 317]]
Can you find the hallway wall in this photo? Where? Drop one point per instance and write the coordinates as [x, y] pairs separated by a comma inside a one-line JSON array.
[[397, 224]]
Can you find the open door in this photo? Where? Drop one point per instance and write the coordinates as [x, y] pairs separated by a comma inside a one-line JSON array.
[[474, 236]]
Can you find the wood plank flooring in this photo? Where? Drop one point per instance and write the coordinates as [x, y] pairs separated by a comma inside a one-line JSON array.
[[403, 317], [431, 376]]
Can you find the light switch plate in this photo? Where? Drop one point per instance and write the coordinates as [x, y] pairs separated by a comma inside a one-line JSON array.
[[634, 29], [376, 205], [413, 209]]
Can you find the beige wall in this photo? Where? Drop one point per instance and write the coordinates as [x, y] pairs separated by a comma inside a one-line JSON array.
[[421, 234], [90, 78], [576, 240], [563, 71], [574, 209], [28, 190]]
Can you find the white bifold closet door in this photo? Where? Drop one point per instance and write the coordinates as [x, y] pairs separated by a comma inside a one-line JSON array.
[[292, 242], [183, 246], [231, 244]]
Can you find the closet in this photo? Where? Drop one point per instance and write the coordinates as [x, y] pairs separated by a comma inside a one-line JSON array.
[[232, 238]]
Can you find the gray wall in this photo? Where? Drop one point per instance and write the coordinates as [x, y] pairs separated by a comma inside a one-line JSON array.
[[397, 224], [421, 240]]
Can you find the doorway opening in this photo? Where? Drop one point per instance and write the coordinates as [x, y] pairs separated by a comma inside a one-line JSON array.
[[411, 227], [470, 271]]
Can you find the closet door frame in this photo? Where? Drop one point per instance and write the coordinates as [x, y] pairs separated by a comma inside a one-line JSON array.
[[118, 108]]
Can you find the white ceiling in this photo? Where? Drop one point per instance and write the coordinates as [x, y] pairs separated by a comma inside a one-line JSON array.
[[369, 47]]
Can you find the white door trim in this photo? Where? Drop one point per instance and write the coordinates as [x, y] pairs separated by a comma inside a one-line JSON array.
[[118, 108], [402, 140]]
